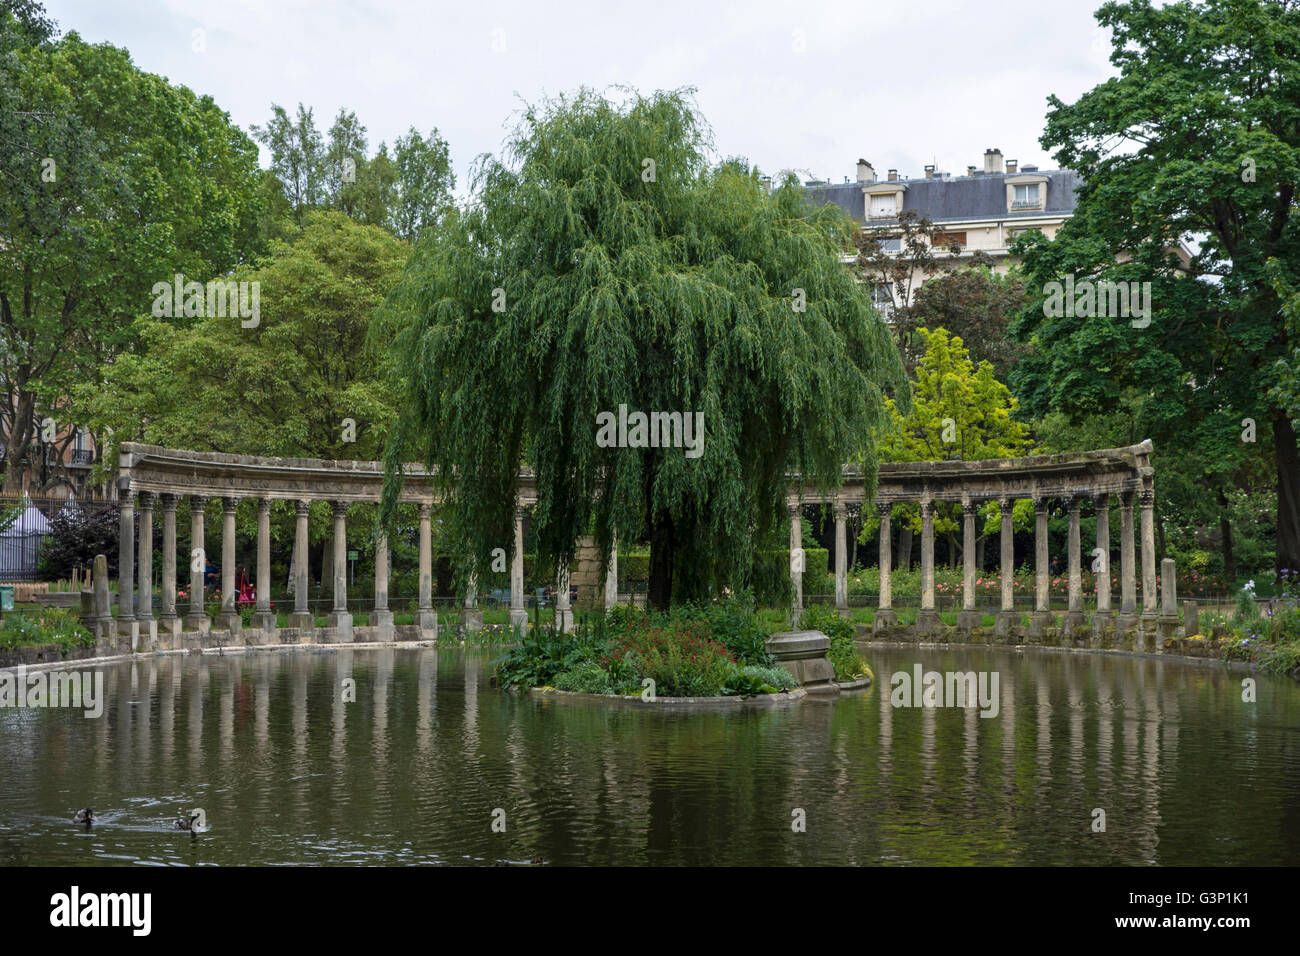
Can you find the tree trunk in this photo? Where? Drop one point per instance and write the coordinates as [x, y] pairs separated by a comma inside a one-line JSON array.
[[20, 436], [661, 562], [1225, 532], [1288, 492]]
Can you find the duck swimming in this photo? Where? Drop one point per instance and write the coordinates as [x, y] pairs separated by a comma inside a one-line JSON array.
[[182, 823], [86, 816]]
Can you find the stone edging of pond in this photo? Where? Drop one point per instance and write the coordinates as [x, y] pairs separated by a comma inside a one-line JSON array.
[[697, 703]]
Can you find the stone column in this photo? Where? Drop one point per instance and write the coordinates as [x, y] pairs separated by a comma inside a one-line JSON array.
[[1043, 618], [885, 615], [1147, 502], [1102, 618], [1007, 620], [105, 638], [340, 621], [518, 603], [1168, 588], [426, 618], [383, 621], [796, 563], [263, 617], [1074, 612], [228, 617], [301, 618], [969, 617], [841, 559], [168, 623], [197, 618], [1127, 580], [611, 576], [563, 610], [129, 633], [927, 618], [148, 627]]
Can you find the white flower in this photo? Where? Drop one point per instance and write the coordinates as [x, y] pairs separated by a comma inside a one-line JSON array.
[[1249, 586]]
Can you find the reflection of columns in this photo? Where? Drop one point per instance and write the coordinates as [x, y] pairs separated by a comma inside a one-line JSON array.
[[197, 618], [228, 618], [885, 615], [969, 617], [796, 562], [144, 614], [126, 566], [1147, 501], [611, 576], [563, 611], [518, 608], [301, 617], [1074, 612], [927, 617], [168, 621], [383, 621], [425, 617], [339, 618], [263, 619], [841, 558], [1006, 619], [1127, 582]]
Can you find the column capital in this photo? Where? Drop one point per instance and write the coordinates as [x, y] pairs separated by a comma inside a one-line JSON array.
[[146, 501], [839, 509], [1147, 498], [340, 508], [969, 508], [126, 498], [1006, 503], [927, 507], [302, 507], [884, 508], [795, 509], [198, 501], [1040, 505], [264, 506], [1071, 502], [520, 512], [1101, 499], [426, 508], [1126, 498], [228, 504], [167, 501]]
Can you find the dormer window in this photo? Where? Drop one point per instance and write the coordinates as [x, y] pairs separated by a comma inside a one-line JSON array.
[[884, 207], [1026, 195]]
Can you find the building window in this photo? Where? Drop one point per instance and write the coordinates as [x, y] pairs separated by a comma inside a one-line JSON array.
[[884, 207], [1015, 233], [882, 298], [946, 240], [1025, 195]]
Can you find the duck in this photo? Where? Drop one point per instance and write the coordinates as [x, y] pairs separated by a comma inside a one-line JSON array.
[[182, 823], [86, 816]]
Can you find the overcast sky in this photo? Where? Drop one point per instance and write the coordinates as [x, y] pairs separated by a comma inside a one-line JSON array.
[[805, 86]]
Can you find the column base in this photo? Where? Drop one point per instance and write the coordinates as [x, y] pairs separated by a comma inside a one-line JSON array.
[[263, 628], [564, 620], [169, 633], [1072, 623], [383, 621], [927, 621], [1006, 623], [1040, 622], [1101, 623], [471, 619], [196, 623], [969, 620], [302, 620], [229, 621], [518, 617], [885, 617], [427, 622], [341, 623], [147, 630], [844, 611]]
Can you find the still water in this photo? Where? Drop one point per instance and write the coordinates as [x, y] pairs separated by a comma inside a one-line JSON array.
[[413, 770]]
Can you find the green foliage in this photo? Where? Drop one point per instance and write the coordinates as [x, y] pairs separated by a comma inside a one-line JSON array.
[[55, 625], [673, 292], [77, 534]]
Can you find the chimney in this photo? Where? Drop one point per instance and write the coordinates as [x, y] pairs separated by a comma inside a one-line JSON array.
[[993, 160], [1012, 164], [970, 170], [866, 174], [929, 172], [893, 175], [766, 182]]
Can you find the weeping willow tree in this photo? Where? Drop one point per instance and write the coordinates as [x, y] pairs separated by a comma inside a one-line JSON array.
[[606, 267]]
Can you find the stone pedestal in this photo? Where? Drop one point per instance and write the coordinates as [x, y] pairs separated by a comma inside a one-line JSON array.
[[342, 622], [928, 621], [302, 620], [885, 617], [471, 618], [803, 654], [969, 620], [383, 622], [427, 622], [1006, 623], [263, 629], [1191, 619]]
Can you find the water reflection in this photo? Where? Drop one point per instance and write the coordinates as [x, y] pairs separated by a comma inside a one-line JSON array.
[[410, 767]]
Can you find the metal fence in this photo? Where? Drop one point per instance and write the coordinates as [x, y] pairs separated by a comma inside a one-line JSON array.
[[25, 531]]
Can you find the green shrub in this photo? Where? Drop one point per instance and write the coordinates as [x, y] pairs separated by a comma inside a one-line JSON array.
[[843, 652], [587, 677], [55, 625], [778, 678]]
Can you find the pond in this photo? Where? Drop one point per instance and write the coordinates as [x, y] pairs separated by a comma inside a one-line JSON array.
[[429, 757]]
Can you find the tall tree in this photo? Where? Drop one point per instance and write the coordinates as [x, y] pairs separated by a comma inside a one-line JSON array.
[[977, 305], [345, 159], [113, 180], [297, 157], [424, 182], [1197, 138], [610, 270]]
